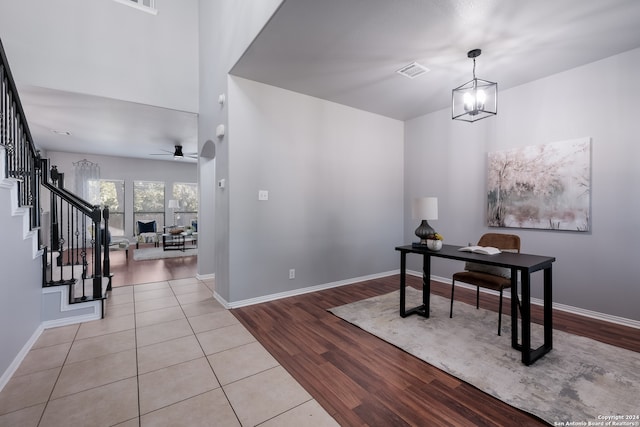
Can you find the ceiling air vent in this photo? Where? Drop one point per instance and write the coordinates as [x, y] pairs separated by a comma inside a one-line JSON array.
[[413, 70]]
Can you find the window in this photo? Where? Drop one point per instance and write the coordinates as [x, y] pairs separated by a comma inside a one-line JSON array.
[[110, 192], [148, 202], [147, 3], [112, 195], [148, 6], [187, 194]]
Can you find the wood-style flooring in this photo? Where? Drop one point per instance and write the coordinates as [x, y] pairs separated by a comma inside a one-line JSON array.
[[361, 380], [127, 271]]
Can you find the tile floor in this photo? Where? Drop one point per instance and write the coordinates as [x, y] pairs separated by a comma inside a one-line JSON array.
[[166, 354]]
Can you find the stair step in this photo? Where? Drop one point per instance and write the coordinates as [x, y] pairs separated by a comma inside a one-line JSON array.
[[88, 290], [64, 273], [60, 283]]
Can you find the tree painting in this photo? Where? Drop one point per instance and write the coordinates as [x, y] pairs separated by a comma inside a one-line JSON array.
[[545, 186]]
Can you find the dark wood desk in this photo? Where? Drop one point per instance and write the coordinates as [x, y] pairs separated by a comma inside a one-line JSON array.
[[524, 263]]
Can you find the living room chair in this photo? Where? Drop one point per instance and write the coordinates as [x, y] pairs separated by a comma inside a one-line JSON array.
[[488, 276], [146, 232]]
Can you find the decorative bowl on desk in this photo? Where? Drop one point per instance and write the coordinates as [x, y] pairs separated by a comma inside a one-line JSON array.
[[434, 244]]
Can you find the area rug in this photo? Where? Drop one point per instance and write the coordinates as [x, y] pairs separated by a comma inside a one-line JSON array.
[[158, 253], [579, 381]]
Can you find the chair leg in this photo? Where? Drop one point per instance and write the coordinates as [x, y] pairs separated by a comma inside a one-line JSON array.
[[500, 314], [453, 285], [477, 297]]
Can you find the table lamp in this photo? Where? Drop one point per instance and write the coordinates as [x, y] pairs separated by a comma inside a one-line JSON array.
[[424, 209]]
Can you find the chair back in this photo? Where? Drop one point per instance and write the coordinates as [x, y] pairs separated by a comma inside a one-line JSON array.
[[509, 242], [145, 227]]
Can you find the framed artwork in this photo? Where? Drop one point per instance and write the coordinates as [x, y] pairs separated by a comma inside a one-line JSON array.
[[543, 187]]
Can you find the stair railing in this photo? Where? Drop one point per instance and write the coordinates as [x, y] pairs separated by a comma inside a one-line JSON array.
[[78, 231], [79, 236], [22, 159]]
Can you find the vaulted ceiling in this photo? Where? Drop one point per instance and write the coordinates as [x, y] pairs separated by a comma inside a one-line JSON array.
[[348, 51]]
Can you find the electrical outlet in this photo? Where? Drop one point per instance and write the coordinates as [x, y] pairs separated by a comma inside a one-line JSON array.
[[292, 273], [263, 195]]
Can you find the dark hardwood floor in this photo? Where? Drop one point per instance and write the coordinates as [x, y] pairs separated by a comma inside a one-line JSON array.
[[361, 380], [127, 271]]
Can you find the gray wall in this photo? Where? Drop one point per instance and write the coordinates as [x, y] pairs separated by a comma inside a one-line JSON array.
[[334, 174], [129, 170], [594, 271], [105, 48], [334, 177], [20, 284], [226, 29]]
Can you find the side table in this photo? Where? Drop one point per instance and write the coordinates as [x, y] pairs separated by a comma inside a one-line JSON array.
[[173, 242]]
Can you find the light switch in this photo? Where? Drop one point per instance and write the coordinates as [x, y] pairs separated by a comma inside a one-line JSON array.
[[220, 131], [263, 195]]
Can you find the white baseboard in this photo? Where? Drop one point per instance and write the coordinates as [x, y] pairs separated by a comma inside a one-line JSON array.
[[204, 277], [556, 306], [301, 291], [65, 306], [6, 376], [15, 364], [222, 301], [70, 320]]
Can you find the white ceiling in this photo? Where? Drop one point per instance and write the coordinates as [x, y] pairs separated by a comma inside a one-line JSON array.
[[347, 51], [106, 126]]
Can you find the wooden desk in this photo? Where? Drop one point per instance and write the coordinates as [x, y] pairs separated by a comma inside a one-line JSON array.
[[524, 263]]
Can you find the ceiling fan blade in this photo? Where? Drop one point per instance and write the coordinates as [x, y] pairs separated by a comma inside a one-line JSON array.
[[176, 154]]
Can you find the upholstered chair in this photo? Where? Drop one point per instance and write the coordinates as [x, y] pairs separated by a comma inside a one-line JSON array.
[[488, 276], [146, 232]]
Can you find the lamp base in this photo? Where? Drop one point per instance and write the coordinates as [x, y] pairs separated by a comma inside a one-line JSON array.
[[424, 231]]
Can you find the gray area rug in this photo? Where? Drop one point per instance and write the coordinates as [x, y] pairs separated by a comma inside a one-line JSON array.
[[580, 380], [158, 253]]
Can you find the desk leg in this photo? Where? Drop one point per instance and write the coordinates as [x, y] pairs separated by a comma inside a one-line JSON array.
[[426, 284], [530, 355], [422, 310], [403, 282], [548, 310], [526, 318], [514, 310]]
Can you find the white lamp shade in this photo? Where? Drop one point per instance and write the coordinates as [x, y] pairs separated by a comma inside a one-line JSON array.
[[174, 204], [425, 208]]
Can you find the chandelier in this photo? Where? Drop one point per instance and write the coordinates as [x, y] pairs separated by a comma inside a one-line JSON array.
[[477, 99]]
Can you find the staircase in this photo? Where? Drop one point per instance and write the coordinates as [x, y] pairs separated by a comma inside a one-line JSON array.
[[71, 241]]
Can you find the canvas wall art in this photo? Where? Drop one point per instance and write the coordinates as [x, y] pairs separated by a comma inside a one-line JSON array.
[[545, 186]]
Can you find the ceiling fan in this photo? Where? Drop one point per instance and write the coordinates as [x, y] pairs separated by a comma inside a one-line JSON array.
[[176, 153]]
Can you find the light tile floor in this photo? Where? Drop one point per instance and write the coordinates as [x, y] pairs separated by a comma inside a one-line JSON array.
[[166, 354]]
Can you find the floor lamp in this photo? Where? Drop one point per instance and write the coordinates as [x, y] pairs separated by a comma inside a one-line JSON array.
[[173, 205]]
